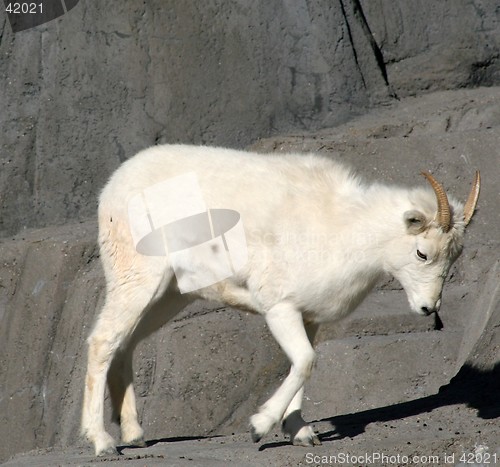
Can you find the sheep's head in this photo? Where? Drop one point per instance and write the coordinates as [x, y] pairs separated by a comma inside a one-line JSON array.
[[433, 241]]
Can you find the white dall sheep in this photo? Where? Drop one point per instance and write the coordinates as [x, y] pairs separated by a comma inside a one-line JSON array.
[[296, 238]]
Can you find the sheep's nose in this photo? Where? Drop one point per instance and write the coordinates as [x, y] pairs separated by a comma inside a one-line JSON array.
[[429, 310], [426, 311]]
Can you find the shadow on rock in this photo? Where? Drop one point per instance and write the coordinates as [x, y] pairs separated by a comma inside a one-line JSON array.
[[473, 387], [176, 439]]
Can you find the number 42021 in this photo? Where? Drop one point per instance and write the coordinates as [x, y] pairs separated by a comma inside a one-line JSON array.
[[25, 8]]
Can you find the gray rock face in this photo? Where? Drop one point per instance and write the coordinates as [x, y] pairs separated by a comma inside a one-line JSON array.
[[82, 93], [436, 45]]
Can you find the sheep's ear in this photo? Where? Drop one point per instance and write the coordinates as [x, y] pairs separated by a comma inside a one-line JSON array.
[[415, 222]]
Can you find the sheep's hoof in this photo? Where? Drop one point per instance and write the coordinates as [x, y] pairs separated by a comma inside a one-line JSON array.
[[138, 443], [111, 451], [105, 446], [256, 437], [260, 425], [307, 440], [133, 434], [300, 433]]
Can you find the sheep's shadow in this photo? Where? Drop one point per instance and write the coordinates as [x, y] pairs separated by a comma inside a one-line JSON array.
[[473, 387], [177, 439], [174, 439]]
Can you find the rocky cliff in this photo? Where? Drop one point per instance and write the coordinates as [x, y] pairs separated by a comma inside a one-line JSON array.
[[87, 90]]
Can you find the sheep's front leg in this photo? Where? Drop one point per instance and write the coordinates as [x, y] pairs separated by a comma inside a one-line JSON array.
[[286, 325], [293, 425]]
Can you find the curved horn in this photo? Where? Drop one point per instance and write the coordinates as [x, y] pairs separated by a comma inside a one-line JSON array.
[[470, 205], [443, 213]]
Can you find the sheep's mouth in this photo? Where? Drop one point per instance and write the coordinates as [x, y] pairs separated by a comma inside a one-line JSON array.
[[438, 324]]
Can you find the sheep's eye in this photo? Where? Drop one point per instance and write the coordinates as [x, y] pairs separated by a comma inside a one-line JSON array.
[[421, 255]]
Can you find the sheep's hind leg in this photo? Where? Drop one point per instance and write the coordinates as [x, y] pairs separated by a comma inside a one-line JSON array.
[[286, 324], [113, 328], [121, 389], [102, 345], [293, 425], [120, 375]]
